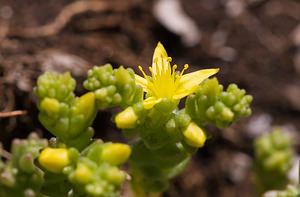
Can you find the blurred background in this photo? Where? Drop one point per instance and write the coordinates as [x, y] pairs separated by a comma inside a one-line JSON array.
[[255, 43]]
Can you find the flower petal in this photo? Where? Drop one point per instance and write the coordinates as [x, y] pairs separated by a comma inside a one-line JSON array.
[[150, 102], [160, 51], [159, 55], [188, 83], [142, 82]]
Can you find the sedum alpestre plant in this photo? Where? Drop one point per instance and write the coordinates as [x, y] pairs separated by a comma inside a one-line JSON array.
[[163, 135], [289, 191], [273, 159], [19, 176]]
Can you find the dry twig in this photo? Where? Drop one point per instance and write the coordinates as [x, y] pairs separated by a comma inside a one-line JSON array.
[[97, 23], [12, 113], [66, 15]]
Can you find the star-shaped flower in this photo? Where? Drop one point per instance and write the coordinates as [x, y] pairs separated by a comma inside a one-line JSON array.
[[166, 83]]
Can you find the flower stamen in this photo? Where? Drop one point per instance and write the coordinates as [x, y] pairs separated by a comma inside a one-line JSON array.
[[181, 73], [186, 66], [174, 71], [150, 69], [145, 76]]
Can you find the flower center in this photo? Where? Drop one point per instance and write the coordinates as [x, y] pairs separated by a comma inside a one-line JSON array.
[[164, 81]]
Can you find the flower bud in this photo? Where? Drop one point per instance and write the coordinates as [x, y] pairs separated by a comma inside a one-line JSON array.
[[85, 105], [227, 115], [7, 179], [50, 106], [101, 93], [60, 87], [194, 135], [54, 159], [126, 119], [83, 174], [26, 163], [116, 153], [277, 161], [116, 176], [122, 76]]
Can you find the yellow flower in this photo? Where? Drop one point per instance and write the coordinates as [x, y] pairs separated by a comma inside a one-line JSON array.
[[166, 83]]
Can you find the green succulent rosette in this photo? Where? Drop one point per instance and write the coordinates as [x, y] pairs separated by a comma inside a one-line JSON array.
[[19, 176]]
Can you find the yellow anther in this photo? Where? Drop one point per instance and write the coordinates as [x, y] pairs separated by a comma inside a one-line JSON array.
[[185, 67], [174, 67], [141, 69]]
